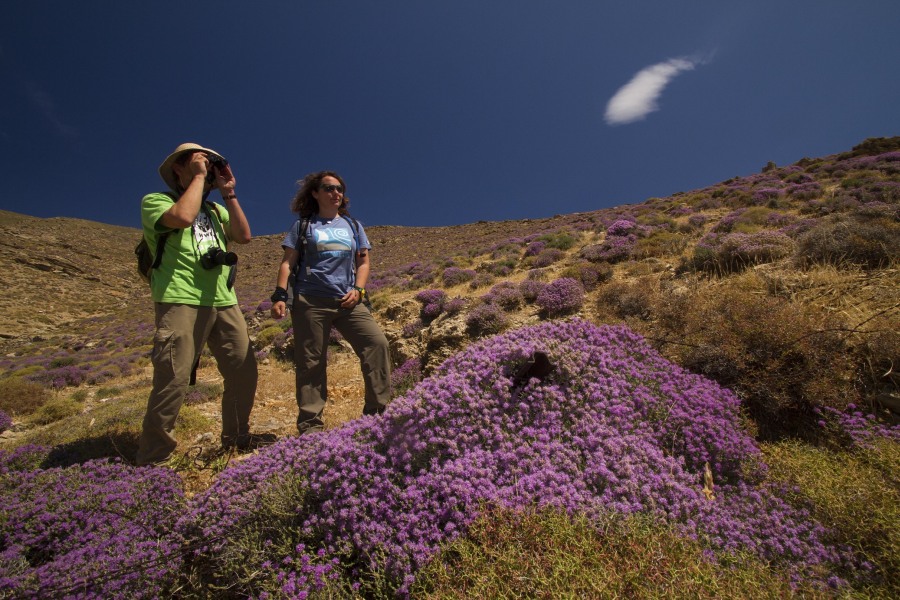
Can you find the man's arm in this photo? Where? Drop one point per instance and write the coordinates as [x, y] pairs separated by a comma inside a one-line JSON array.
[[238, 226], [182, 214]]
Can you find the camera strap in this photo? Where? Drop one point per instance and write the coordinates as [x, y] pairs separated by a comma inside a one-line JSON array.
[[232, 274]]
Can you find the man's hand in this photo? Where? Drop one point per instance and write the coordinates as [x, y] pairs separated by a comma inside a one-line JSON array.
[[199, 164], [225, 180]]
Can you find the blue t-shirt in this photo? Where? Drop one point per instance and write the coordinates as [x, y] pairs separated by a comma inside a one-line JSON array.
[[329, 264]]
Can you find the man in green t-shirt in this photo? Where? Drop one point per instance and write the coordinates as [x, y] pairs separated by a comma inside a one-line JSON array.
[[193, 293]]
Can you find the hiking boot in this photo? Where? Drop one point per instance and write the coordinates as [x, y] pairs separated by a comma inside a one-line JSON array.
[[304, 428], [249, 441]]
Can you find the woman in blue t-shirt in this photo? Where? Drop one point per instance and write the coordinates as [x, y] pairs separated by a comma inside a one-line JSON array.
[[328, 252]]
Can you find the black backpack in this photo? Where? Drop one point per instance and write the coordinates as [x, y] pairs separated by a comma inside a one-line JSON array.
[[146, 260]]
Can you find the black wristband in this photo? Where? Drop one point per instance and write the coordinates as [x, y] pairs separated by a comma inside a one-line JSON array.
[[280, 295]]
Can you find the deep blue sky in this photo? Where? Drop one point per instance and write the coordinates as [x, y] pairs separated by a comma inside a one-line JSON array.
[[434, 112]]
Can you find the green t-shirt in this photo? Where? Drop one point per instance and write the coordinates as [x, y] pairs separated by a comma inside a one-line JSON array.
[[180, 278]]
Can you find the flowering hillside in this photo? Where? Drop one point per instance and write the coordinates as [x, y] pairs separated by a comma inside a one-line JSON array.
[[613, 427], [698, 392]]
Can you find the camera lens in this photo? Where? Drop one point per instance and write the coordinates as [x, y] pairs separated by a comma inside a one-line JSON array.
[[229, 258], [216, 257]]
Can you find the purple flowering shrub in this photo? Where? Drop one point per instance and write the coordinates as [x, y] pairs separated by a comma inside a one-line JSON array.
[[560, 297], [535, 248], [456, 276], [406, 376], [433, 296], [610, 427], [530, 288], [455, 305], [734, 252], [99, 352], [506, 295], [432, 302], [546, 258], [412, 329], [97, 530], [621, 227], [485, 319], [852, 428], [763, 195], [739, 250], [5, 421], [615, 248], [481, 279]]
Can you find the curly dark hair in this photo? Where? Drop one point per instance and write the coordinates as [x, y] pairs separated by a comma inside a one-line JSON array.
[[306, 205]]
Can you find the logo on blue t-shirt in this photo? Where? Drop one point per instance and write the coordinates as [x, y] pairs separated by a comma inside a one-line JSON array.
[[333, 241]]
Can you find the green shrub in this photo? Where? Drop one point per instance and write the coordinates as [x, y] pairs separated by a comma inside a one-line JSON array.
[[63, 361], [752, 219], [656, 218], [873, 147], [546, 554], [267, 336], [661, 243], [20, 397], [589, 274], [561, 240], [55, 409], [29, 370], [106, 392]]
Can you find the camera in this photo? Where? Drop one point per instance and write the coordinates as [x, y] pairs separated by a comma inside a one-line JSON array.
[[216, 257], [215, 162]]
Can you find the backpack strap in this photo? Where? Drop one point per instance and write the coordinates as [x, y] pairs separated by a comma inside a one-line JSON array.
[[160, 246], [161, 240], [301, 250], [354, 225]]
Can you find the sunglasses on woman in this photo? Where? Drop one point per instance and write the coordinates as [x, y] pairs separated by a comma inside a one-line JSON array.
[[332, 188]]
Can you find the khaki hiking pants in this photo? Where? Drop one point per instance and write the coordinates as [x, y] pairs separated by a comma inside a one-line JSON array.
[[313, 318], [181, 332]]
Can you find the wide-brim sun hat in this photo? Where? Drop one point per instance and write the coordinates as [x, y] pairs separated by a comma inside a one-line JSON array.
[[165, 169]]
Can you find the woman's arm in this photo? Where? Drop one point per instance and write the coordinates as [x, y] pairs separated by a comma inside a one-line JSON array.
[[355, 296], [288, 262]]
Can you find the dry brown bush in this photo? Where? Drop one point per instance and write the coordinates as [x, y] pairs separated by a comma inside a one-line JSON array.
[[624, 299], [783, 359], [20, 397], [871, 243]]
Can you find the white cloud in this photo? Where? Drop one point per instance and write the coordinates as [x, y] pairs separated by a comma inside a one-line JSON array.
[[638, 98]]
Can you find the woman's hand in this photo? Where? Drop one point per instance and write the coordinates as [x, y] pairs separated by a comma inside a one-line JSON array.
[[278, 310], [351, 298]]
